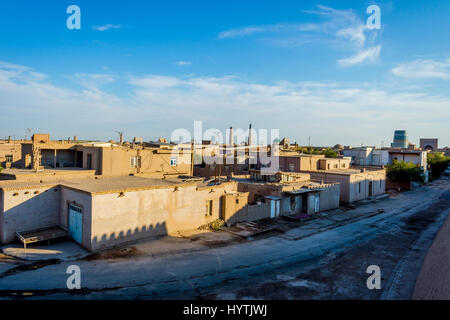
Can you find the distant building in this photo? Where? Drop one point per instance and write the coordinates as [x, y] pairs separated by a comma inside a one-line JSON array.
[[400, 139], [11, 153], [288, 193], [355, 184], [429, 144], [371, 156], [157, 159]]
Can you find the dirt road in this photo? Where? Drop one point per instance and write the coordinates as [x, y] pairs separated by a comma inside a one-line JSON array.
[[433, 282], [326, 259]]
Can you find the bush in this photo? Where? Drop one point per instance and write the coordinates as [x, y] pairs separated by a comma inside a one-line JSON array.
[[1, 168], [404, 172], [217, 225], [438, 163], [329, 153]]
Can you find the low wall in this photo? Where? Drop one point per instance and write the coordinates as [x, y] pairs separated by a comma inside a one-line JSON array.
[[329, 198], [250, 213], [398, 185]]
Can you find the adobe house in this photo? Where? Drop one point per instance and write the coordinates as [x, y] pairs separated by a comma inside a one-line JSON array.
[[106, 158], [101, 212], [355, 183], [11, 153], [288, 193]]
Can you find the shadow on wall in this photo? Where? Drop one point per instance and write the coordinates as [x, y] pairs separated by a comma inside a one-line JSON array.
[[36, 209], [249, 213], [108, 240]]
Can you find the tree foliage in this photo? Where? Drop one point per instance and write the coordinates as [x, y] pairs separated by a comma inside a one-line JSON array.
[[438, 163], [329, 153], [404, 172]]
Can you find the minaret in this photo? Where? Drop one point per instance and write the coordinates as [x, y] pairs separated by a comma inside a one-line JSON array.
[[231, 138], [250, 135]]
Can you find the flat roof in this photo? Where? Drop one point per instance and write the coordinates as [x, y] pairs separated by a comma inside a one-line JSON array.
[[123, 183], [30, 172], [346, 171]]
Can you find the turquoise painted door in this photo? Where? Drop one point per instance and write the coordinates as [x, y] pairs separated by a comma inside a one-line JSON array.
[[75, 223]]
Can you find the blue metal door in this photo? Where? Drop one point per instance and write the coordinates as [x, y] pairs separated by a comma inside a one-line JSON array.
[[75, 223]]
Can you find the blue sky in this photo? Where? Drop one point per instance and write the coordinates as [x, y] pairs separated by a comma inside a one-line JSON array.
[[149, 67]]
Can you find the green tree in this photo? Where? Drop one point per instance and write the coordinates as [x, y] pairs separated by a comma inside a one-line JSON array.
[[330, 153], [438, 163], [404, 172]]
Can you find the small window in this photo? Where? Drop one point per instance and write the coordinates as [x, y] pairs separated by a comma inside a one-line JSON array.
[[237, 201], [343, 165], [135, 162], [335, 166], [173, 162], [209, 204], [9, 158]]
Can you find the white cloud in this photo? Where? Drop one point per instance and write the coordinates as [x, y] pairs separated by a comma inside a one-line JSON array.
[[183, 63], [350, 34], [355, 33], [275, 28], [420, 69], [107, 27], [154, 105], [366, 55]]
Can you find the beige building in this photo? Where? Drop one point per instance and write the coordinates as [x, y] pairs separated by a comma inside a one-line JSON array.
[[289, 193], [355, 183], [11, 153], [106, 158], [100, 212], [306, 162]]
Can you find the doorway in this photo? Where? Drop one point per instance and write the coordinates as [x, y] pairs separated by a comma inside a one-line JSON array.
[[76, 222]]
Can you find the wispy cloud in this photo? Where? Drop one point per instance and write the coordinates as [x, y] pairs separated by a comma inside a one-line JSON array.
[[355, 33], [107, 27], [183, 63], [342, 26], [159, 99], [275, 28], [423, 68], [367, 55]]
